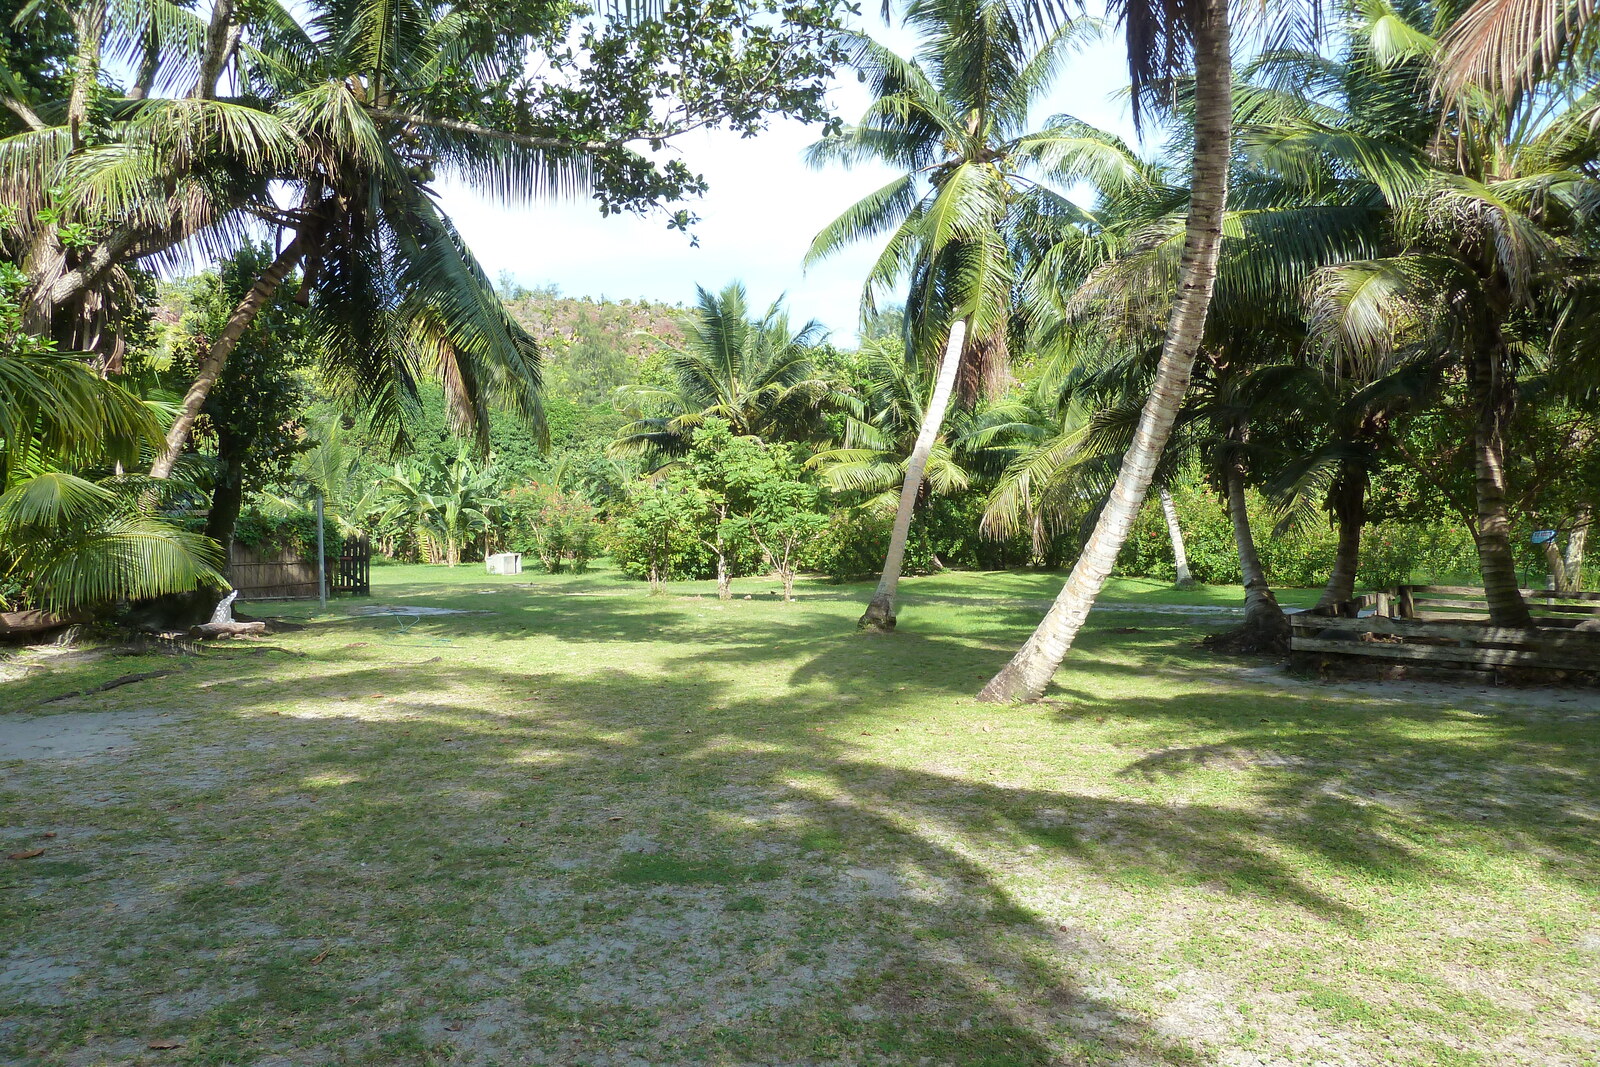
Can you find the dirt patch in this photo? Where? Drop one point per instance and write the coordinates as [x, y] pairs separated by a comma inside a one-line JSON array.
[[75, 734], [40, 980], [1566, 703]]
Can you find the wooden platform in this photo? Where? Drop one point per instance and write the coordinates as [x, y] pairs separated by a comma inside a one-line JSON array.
[[1448, 626]]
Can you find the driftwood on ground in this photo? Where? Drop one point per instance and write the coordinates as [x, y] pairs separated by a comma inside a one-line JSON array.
[[227, 629], [126, 679]]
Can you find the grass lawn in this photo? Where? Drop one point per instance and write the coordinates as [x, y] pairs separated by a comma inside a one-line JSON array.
[[587, 826]]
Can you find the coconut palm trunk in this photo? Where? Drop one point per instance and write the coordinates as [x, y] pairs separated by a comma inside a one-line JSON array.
[[1348, 498], [216, 357], [1030, 670], [880, 611], [1492, 396], [1180, 557], [1266, 628]]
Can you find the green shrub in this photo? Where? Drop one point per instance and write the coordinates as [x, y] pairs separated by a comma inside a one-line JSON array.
[[1302, 556], [558, 528]]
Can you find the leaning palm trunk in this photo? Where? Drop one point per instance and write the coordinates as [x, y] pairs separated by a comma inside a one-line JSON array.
[[1180, 557], [1030, 670], [1349, 499], [1265, 628], [216, 357], [1492, 530], [880, 612]]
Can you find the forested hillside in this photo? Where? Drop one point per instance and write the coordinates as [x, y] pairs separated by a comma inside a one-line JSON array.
[[592, 346]]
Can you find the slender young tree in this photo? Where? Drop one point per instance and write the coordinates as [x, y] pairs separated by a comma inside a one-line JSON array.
[[1180, 557], [954, 120]]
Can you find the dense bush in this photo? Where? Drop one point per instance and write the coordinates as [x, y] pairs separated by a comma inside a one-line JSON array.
[[560, 529], [1391, 553], [295, 532], [653, 535]]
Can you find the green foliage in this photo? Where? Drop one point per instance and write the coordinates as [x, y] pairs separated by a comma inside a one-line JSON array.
[[754, 373], [74, 544], [442, 507], [1392, 553], [72, 536], [295, 531], [655, 535], [733, 505], [558, 528]]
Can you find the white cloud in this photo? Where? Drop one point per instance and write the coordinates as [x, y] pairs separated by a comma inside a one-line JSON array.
[[763, 208]]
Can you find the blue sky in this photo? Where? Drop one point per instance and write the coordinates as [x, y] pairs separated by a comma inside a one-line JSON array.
[[762, 210]]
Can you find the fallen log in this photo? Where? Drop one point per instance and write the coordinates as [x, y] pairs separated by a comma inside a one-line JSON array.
[[227, 629]]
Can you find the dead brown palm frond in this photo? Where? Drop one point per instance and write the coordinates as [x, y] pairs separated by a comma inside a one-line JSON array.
[[1506, 45]]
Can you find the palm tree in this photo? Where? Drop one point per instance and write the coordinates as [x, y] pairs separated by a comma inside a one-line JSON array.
[[79, 543], [171, 160], [1205, 25], [755, 374], [330, 467], [1509, 46], [73, 534], [393, 288], [954, 119], [1491, 221]]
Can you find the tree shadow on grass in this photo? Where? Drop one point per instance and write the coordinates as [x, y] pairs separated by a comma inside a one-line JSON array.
[[577, 881], [650, 860]]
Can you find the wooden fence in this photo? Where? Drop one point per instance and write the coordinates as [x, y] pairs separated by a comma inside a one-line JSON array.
[[1448, 625], [283, 574]]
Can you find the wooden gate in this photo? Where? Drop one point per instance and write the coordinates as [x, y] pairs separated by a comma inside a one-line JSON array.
[[353, 572]]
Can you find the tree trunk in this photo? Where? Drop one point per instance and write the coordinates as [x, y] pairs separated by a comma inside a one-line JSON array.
[[1572, 565], [1180, 558], [1030, 670], [724, 581], [1265, 628], [1557, 563], [1348, 495], [880, 612], [226, 501], [89, 23], [220, 41], [1492, 395], [216, 357]]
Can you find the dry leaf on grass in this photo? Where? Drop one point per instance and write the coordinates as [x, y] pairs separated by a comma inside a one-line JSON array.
[[318, 958], [165, 1043], [26, 854]]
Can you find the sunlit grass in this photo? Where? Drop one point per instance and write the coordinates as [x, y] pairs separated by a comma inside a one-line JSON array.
[[588, 824]]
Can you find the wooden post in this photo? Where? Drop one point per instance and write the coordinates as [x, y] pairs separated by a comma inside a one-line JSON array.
[[322, 561], [1408, 606]]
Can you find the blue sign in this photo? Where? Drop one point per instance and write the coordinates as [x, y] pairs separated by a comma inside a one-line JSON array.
[[1542, 537]]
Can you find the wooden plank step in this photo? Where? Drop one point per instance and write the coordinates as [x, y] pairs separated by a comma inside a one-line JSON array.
[[1482, 657]]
